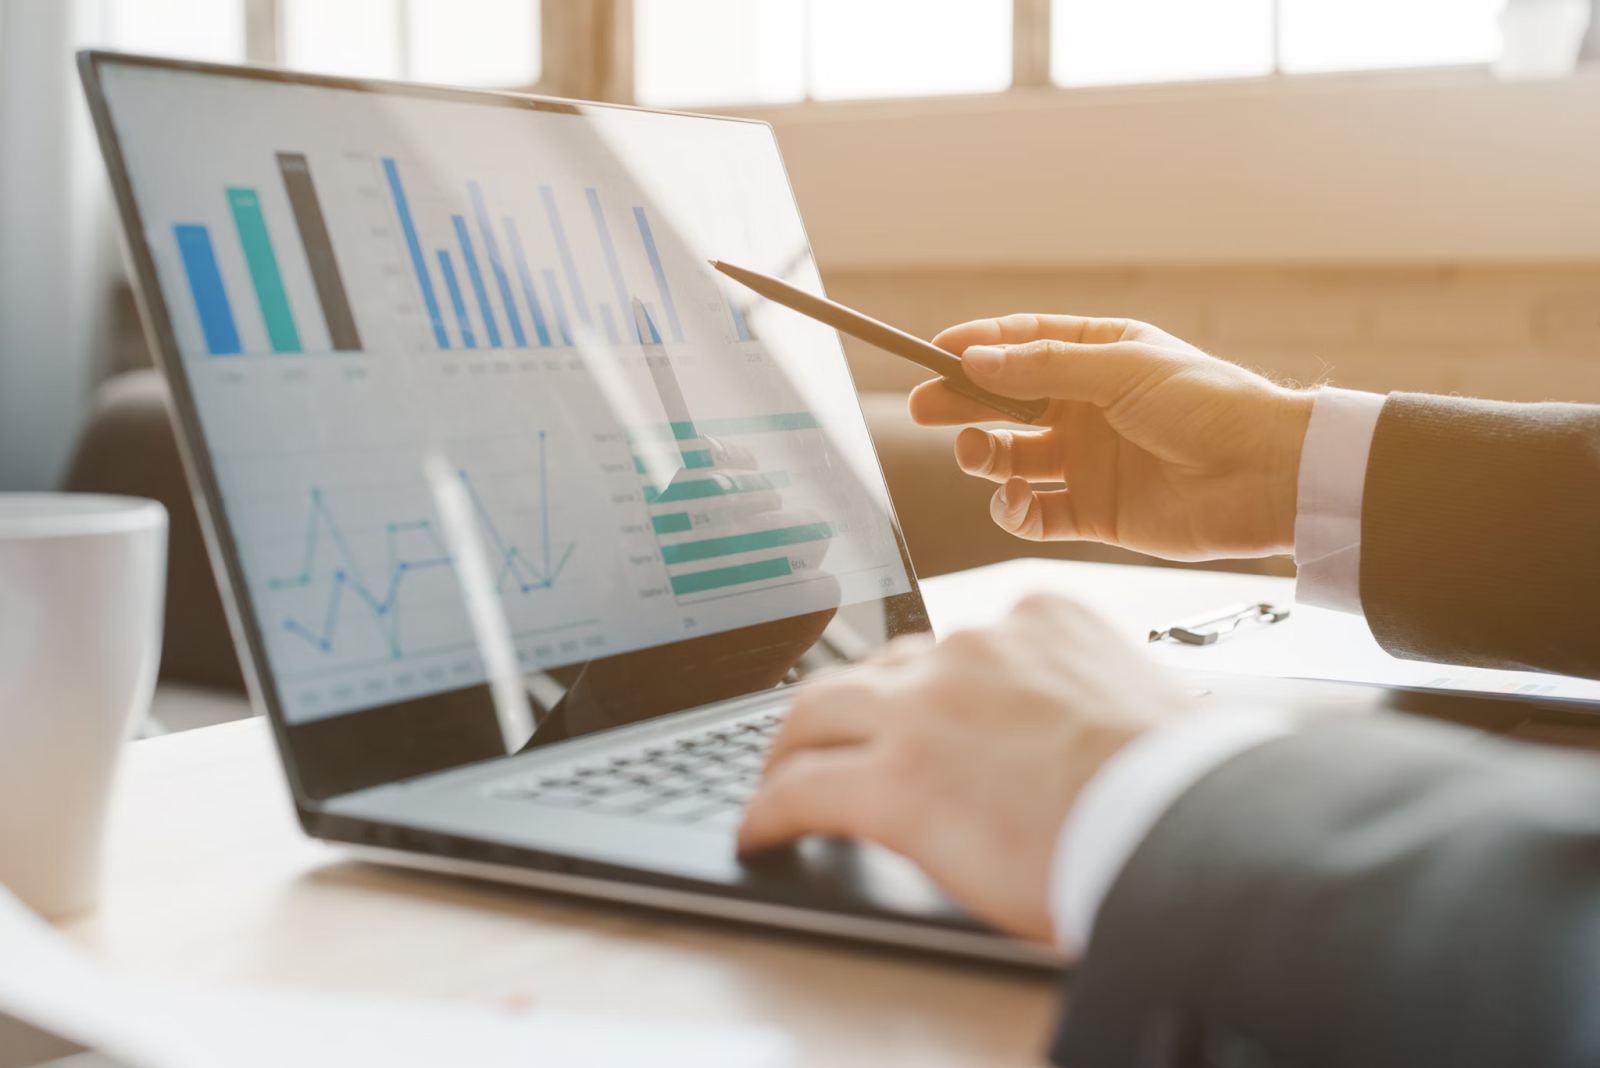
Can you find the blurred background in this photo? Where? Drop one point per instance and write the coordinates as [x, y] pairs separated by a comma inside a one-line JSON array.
[[1384, 194]]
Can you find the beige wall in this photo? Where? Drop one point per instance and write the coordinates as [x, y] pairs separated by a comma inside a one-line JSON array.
[[1428, 231], [1514, 333]]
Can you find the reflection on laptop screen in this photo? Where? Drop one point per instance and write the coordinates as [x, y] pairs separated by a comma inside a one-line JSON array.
[[382, 301]]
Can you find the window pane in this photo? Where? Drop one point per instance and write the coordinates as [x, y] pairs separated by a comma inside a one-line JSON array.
[[1322, 35], [191, 29], [474, 42], [354, 37], [705, 52], [875, 48], [1111, 42]]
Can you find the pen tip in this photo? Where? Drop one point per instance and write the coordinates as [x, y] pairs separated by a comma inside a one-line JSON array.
[[715, 263]]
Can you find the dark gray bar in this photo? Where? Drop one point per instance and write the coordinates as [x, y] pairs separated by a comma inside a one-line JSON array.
[[319, 251]]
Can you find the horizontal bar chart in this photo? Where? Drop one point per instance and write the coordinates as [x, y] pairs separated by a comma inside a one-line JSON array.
[[688, 552], [697, 458], [723, 577]]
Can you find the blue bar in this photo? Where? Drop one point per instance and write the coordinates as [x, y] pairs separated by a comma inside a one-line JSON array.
[[455, 298], [661, 275], [525, 276], [210, 296], [739, 326], [610, 323], [718, 577], [558, 307], [650, 321], [491, 248], [418, 260], [565, 251], [471, 259], [621, 284]]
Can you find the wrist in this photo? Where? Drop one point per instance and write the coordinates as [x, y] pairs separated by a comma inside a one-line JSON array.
[[1287, 435]]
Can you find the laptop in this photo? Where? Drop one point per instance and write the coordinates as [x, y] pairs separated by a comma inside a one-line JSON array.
[[526, 522]]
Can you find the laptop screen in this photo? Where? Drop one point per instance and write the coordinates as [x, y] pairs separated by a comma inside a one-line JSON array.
[[467, 402]]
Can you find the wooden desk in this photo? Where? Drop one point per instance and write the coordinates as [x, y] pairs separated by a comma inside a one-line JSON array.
[[209, 877]]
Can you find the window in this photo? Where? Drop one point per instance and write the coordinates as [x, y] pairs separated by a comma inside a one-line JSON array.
[[1110, 42], [708, 52], [1329, 35], [462, 42], [1105, 42], [190, 29]]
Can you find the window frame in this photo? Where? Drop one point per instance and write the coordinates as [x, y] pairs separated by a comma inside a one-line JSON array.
[[587, 54]]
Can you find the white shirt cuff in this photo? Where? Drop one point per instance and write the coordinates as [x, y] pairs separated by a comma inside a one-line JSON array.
[[1122, 802], [1333, 477]]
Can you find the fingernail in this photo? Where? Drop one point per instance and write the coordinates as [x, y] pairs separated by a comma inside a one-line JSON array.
[[984, 359]]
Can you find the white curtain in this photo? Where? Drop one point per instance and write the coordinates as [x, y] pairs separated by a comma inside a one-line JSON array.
[[57, 256]]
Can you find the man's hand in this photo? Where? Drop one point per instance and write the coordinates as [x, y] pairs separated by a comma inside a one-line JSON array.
[[1162, 448], [964, 756]]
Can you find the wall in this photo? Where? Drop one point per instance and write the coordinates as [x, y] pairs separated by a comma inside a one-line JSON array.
[[1526, 332]]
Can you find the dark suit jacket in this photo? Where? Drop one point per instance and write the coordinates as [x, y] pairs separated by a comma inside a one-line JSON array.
[[1389, 892]]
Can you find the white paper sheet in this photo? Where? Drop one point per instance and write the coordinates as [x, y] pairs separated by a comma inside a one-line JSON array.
[[48, 983], [1313, 643]]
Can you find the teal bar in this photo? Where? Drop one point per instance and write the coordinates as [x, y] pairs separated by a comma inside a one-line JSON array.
[[690, 551], [672, 523], [719, 486], [717, 578], [698, 458], [750, 424], [640, 466], [264, 269], [760, 424]]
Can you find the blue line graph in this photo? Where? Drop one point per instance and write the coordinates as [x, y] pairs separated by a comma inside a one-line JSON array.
[[411, 546]]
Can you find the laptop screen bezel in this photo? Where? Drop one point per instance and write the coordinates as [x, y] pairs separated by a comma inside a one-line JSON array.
[[904, 613]]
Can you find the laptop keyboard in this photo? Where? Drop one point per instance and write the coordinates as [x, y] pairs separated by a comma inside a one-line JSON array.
[[702, 778]]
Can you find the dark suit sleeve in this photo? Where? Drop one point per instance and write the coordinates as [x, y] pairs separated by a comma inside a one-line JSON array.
[[1366, 894], [1480, 533]]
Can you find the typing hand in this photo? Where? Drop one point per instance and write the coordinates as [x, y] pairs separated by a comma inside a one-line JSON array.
[[1163, 449], [964, 756]]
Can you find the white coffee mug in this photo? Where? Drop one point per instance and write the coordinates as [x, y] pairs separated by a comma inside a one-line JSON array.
[[82, 586]]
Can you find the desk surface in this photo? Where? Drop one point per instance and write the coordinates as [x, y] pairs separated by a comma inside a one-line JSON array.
[[209, 877]]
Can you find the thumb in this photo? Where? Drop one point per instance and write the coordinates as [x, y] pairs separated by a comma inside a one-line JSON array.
[[1097, 374]]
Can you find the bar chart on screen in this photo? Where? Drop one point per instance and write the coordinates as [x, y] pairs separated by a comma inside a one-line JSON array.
[[556, 268], [303, 244]]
